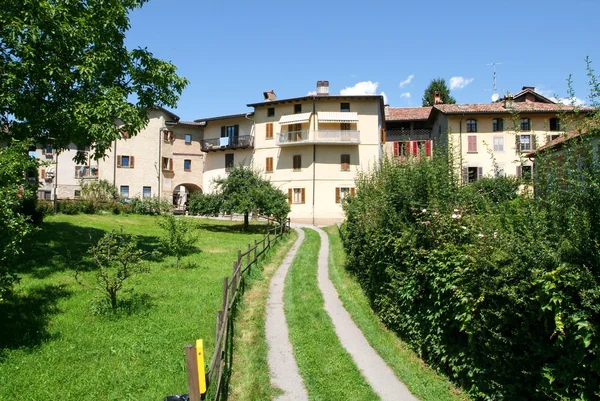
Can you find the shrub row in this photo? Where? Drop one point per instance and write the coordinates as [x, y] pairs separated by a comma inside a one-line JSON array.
[[499, 291], [151, 206]]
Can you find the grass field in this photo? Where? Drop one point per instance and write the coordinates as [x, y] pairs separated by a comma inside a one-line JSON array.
[[328, 371], [54, 347], [421, 380]]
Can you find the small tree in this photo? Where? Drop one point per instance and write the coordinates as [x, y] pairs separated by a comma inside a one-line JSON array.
[[101, 191], [178, 238], [118, 258], [438, 84]]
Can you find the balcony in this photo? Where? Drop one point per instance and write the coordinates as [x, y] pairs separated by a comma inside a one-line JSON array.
[[86, 172], [234, 142], [319, 137], [407, 134]]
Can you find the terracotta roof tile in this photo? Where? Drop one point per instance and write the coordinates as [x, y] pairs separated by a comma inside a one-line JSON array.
[[520, 107], [408, 113], [557, 143]]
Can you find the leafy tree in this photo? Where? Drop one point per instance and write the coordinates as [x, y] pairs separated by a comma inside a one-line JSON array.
[[438, 84], [178, 238], [118, 258], [245, 191], [205, 204]]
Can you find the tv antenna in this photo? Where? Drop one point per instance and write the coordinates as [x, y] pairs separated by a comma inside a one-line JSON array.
[[495, 95]]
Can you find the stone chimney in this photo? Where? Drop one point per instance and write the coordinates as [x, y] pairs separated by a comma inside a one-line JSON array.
[[322, 87], [437, 97], [508, 101], [269, 95]]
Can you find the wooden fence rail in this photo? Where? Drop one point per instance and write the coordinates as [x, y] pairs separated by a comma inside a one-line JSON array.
[[220, 360]]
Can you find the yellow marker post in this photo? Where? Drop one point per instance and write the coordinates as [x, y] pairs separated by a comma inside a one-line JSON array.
[[200, 362]]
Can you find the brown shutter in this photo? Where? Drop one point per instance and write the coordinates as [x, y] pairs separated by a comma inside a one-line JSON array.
[[171, 164], [131, 162], [519, 172], [303, 195], [171, 136], [269, 130], [290, 195], [396, 148], [479, 172], [518, 143], [43, 174], [533, 142], [118, 161], [352, 191], [465, 175], [337, 195]]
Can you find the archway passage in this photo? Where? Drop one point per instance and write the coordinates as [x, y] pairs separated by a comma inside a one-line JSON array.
[[181, 195]]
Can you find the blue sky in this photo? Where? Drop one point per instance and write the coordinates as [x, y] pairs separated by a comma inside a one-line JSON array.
[[232, 51]]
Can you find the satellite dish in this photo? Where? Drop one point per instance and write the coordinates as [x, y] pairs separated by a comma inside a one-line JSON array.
[[495, 97]]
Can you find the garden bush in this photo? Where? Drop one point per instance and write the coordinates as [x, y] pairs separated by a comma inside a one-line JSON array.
[[151, 206], [500, 292]]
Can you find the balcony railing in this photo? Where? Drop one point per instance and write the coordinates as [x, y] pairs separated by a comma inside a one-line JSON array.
[[407, 133], [233, 142], [82, 172], [322, 137]]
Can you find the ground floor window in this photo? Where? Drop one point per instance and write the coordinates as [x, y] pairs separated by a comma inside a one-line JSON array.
[[77, 193], [296, 195], [124, 191], [471, 174], [147, 192], [342, 193], [525, 172], [228, 162], [47, 195]]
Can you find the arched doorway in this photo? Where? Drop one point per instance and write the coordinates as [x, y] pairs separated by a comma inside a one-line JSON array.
[[181, 195]]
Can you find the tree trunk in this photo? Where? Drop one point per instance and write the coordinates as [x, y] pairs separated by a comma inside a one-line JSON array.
[[246, 221], [113, 299]]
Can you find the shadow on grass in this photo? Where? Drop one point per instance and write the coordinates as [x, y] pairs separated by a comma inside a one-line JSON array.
[[60, 246], [25, 318], [234, 228]]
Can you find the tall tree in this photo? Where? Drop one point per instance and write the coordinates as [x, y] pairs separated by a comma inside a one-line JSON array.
[[67, 77], [438, 84]]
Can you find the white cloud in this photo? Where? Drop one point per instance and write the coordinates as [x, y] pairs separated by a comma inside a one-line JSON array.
[[459, 82], [574, 101], [384, 97], [361, 88], [311, 93], [407, 80], [405, 95]]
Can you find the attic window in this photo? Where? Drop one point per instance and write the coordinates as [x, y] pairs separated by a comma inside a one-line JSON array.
[[297, 108], [345, 107], [271, 112]]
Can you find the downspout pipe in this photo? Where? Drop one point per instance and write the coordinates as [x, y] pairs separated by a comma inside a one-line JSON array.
[[159, 169]]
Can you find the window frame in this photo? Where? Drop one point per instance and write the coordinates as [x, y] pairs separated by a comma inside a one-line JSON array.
[[344, 109], [229, 164], [497, 125], [121, 187], [501, 138], [297, 108], [554, 124], [189, 162], [345, 165], [269, 165], [297, 163], [77, 194], [296, 196], [469, 149], [125, 165], [530, 148], [168, 166], [269, 134], [186, 139], [144, 192], [471, 125], [270, 111], [525, 124]]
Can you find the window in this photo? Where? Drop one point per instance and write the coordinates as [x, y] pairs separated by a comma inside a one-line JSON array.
[[125, 161], [167, 136], [228, 162], [497, 124], [471, 174], [525, 124], [48, 151], [124, 191], [188, 139], [297, 108], [525, 172], [471, 125], [77, 193], [345, 126], [555, 124], [551, 137], [345, 161], [412, 148], [343, 193], [525, 143], [498, 144], [187, 165], [296, 195], [47, 195], [167, 164], [146, 192], [269, 134], [472, 143], [271, 112], [344, 106], [297, 162], [232, 132], [269, 165]]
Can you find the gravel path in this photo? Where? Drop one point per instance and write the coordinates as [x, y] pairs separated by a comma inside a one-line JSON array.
[[282, 365], [381, 378]]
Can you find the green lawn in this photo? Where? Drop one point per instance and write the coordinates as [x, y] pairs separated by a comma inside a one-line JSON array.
[[328, 371], [53, 346], [421, 380]]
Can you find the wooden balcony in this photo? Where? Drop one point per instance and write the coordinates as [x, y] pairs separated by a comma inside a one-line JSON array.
[[227, 143]]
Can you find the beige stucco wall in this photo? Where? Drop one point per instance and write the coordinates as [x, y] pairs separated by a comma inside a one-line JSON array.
[[181, 151]]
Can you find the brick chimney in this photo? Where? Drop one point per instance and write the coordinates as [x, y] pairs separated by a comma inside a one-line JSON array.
[[269, 95], [508, 101], [322, 87], [437, 97]]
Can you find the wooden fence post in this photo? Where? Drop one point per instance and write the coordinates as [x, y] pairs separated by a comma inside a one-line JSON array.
[[225, 296], [255, 246], [192, 373], [248, 256]]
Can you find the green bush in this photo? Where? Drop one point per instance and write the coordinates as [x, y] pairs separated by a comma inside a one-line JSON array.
[[204, 204], [44, 208], [500, 292], [151, 206], [68, 206]]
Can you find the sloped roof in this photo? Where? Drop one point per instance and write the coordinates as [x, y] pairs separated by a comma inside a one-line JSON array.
[[530, 90], [557, 143], [408, 113], [498, 108]]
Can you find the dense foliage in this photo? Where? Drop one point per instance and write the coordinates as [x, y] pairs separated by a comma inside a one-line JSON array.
[[243, 191], [501, 292]]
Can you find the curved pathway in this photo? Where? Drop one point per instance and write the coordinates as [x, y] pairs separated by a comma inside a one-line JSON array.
[[381, 378], [282, 365]]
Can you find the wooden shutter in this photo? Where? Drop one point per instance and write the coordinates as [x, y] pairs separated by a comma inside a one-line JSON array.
[[465, 175], [533, 142], [428, 148], [43, 174], [171, 136], [223, 131], [472, 143], [131, 162], [479, 172], [303, 195], [415, 148], [396, 148], [269, 164], [269, 131], [383, 135], [518, 143], [352, 191], [519, 172], [118, 161], [171, 164], [337, 195], [290, 193]]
